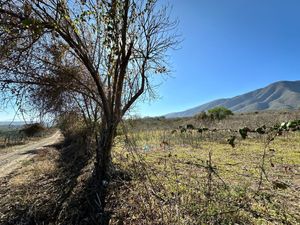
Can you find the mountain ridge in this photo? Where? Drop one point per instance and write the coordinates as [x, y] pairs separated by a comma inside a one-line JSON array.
[[276, 96], [9, 123]]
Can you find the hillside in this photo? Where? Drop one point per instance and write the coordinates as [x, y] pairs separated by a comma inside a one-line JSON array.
[[11, 124], [276, 96]]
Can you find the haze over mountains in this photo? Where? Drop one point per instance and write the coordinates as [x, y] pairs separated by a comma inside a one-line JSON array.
[[9, 123], [276, 96]]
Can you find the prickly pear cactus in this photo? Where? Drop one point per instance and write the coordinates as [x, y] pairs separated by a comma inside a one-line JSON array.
[[243, 132], [231, 141], [260, 130]]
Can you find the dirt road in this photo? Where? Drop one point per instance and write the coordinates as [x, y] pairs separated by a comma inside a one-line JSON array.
[[11, 159]]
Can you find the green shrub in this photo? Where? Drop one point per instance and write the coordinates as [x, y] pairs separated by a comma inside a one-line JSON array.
[[219, 113]]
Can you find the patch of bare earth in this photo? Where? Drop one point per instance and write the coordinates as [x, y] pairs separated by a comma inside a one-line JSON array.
[[27, 195], [49, 188], [11, 158]]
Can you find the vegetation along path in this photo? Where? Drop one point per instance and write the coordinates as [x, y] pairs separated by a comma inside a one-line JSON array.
[[10, 159]]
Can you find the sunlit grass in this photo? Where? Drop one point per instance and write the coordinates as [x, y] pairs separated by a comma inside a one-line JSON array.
[[172, 173]]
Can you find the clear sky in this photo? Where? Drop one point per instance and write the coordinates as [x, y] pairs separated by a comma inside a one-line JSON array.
[[230, 47], [6, 115]]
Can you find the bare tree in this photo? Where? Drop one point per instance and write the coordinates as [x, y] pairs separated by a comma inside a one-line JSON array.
[[96, 54]]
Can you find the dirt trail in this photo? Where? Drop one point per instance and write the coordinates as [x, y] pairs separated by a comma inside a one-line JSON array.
[[11, 159]]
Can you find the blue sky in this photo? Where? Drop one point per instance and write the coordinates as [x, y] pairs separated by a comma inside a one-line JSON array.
[[5, 115], [230, 47]]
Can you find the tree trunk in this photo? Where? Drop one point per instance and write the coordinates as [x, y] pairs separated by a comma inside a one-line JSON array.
[[103, 153]]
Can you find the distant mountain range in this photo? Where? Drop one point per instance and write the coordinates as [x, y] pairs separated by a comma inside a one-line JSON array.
[[276, 96], [9, 123]]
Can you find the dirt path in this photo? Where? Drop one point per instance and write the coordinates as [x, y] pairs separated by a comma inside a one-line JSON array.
[[12, 158]]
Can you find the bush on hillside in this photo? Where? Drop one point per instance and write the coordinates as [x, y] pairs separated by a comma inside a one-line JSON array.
[[202, 116], [219, 113], [72, 122], [32, 130]]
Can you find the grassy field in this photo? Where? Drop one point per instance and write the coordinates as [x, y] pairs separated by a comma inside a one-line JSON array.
[[14, 135], [10, 136], [198, 178], [166, 177]]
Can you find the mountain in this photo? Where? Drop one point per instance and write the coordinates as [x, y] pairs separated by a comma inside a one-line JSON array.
[[9, 123], [276, 96]]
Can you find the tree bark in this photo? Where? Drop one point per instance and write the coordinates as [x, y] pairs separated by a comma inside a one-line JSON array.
[[103, 165]]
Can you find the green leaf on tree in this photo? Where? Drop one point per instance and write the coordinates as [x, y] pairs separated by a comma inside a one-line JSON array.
[[26, 22]]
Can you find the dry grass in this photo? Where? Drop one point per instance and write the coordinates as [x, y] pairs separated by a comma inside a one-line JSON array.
[[165, 178], [48, 189], [15, 138], [252, 120], [43, 164], [30, 190], [196, 179]]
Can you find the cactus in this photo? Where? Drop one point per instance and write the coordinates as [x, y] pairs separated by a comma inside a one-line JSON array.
[[244, 132], [291, 124], [182, 130], [231, 141], [275, 127], [190, 127], [260, 130], [283, 125]]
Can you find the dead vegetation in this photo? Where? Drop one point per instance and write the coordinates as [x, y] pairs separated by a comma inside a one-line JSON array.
[[47, 188], [161, 177], [209, 184], [20, 135], [198, 178]]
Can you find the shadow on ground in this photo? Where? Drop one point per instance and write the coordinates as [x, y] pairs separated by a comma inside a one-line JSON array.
[[68, 196]]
